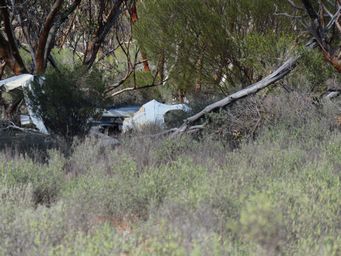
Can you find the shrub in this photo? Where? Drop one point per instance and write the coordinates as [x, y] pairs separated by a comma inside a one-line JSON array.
[[295, 113], [66, 100], [276, 195], [45, 179]]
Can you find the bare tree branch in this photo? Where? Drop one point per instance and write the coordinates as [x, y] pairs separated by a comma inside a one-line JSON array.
[[278, 74], [136, 88]]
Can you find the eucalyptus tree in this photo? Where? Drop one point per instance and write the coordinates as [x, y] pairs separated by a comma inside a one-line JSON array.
[[37, 27], [322, 21], [31, 29], [319, 25], [224, 43]]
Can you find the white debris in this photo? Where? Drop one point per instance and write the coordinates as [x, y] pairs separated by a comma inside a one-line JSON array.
[[24, 81], [153, 112], [15, 82]]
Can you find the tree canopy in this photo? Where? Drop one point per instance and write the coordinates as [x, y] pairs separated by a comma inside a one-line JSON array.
[[36, 27], [222, 43]]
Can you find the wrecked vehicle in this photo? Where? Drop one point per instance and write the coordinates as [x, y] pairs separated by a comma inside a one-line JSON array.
[[112, 118], [24, 82], [134, 117], [152, 113]]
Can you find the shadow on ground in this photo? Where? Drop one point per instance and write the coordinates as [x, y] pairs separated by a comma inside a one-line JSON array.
[[33, 145]]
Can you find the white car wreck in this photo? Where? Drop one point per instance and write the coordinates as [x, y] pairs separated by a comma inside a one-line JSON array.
[[153, 112], [24, 82], [126, 118]]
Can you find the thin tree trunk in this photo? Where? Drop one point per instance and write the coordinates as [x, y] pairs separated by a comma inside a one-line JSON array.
[[41, 56], [2, 68], [146, 67], [104, 28], [9, 51]]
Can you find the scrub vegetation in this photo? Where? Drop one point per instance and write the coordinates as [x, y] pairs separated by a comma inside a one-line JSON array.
[[255, 173], [277, 194]]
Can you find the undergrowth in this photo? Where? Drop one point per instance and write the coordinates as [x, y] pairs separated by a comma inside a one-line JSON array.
[[278, 194]]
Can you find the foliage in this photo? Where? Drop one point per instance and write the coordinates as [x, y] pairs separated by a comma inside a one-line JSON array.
[[263, 178], [248, 118], [276, 195], [66, 100], [213, 43], [314, 72]]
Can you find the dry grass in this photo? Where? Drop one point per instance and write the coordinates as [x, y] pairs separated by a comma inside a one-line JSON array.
[[276, 194]]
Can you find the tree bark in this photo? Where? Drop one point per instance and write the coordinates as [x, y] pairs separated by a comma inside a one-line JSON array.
[[102, 31], [2, 69], [41, 58], [281, 72], [9, 51], [133, 13], [146, 67]]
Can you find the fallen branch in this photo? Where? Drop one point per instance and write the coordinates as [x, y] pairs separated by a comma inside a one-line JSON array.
[[281, 72], [332, 95], [136, 88], [12, 126]]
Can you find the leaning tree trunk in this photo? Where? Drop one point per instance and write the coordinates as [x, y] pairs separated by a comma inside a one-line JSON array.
[[281, 72], [43, 47]]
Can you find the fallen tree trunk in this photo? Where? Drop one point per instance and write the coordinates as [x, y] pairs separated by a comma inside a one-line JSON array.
[[280, 73], [254, 88], [275, 76]]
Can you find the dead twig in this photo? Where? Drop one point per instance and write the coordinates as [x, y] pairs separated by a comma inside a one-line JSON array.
[[15, 127]]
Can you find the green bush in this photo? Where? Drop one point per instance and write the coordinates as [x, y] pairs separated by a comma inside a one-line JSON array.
[[212, 39], [45, 180], [314, 72], [67, 99]]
